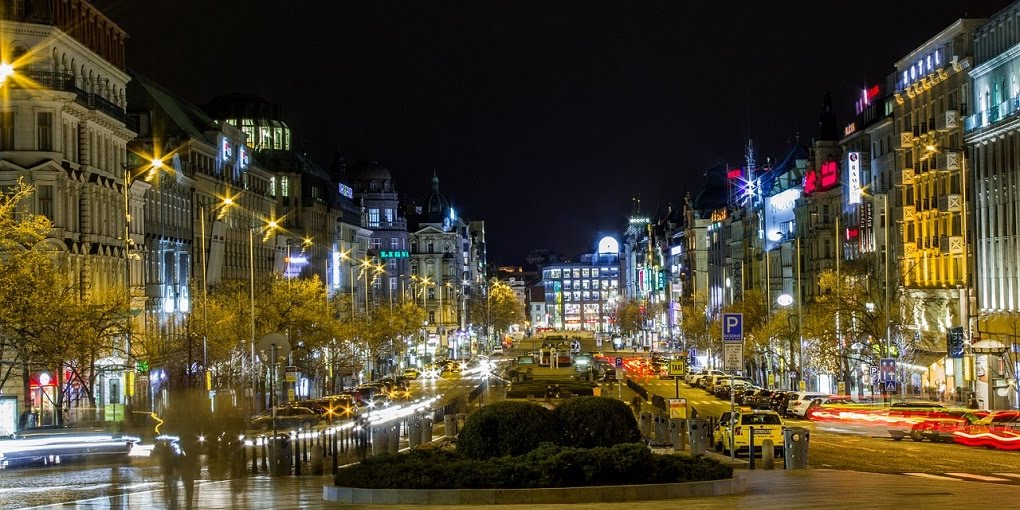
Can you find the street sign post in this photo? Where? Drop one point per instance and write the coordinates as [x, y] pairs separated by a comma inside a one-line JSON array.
[[888, 368], [733, 356], [677, 368], [733, 327], [678, 408]]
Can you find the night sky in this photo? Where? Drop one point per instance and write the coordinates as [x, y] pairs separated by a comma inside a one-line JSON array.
[[541, 117]]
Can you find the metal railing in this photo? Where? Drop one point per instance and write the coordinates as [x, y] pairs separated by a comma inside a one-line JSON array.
[[66, 82]]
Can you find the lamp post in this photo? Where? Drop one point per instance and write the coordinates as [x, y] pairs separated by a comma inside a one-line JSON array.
[[265, 231], [222, 207]]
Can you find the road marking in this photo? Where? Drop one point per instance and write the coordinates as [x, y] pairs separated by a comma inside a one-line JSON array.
[[931, 476], [979, 477]]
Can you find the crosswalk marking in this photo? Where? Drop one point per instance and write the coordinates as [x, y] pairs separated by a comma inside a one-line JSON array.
[[931, 476], [983, 478]]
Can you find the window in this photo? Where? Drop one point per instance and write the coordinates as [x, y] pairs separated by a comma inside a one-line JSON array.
[[316, 192], [7, 131], [393, 280], [272, 186], [284, 187], [44, 121], [376, 243], [373, 217], [394, 243], [45, 194], [388, 214], [392, 264]]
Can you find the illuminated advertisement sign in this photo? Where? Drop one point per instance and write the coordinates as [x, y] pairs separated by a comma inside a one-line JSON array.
[[393, 254], [867, 96], [854, 177], [226, 150], [346, 190], [779, 214], [825, 179], [921, 68]]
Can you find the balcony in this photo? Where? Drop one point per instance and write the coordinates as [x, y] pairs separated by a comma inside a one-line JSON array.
[[907, 176], [947, 121], [909, 249], [951, 245], [65, 82], [906, 140], [905, 213], [948, 161], [950, 203]]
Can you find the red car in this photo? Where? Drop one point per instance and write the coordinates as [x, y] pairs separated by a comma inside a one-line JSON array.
[[999, 430]]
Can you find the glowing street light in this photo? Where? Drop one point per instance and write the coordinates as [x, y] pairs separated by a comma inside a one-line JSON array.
[[6, 71]]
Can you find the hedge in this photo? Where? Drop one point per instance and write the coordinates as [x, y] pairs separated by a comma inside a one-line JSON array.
[[546, 466], [589, 422], [507, 428]]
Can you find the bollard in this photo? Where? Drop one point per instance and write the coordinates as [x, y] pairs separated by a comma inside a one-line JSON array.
[[316, 460], [699, 436], [674, 434], [450, 424], [414, 433], [661, 429], [265, 454], [282, 457], [426, 430], [750, 448], [768, 454], [461, 420], [296, 441], [254, 456], [333, 445], [379, 440], [795, 447], [645, 423]]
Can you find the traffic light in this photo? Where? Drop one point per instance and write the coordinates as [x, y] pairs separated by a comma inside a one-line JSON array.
[[954, 342]]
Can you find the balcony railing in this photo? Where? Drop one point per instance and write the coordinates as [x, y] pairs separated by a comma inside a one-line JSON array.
[[66, 82]]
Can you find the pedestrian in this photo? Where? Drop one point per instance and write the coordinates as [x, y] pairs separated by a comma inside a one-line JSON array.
[[972, 403]]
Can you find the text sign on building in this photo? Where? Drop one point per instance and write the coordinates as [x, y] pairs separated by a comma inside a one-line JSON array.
[[854, 177], [345, 190], [393, 254], [733, 327]]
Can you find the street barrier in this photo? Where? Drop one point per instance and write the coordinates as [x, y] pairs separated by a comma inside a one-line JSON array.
[[795, 447], [414, 433], [426, 430], [645, 423]]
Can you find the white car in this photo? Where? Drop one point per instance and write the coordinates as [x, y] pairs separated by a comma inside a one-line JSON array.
[[698, 379], [799, 402]]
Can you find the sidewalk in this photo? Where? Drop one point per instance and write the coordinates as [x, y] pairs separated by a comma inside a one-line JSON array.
[[778, 489]]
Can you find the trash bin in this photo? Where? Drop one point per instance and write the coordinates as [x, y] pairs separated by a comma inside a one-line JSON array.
[[380, 439], [413, 433], [795, 447], [283, 456], [661, 430], [675, 434], [646, 423], [426, 430], [393, 445], [699, 434], [450, 424]]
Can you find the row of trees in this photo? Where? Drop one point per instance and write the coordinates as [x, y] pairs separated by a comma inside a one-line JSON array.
[[52, 320]]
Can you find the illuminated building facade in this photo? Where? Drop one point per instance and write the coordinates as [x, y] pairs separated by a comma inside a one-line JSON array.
[[583, 295], [373, 189], [993, 167], [63, 129], [930, 203]]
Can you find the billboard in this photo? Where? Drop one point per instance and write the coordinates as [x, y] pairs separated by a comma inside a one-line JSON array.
[[853, 167]]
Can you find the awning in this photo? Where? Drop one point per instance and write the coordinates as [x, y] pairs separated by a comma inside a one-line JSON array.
[[925, 358]]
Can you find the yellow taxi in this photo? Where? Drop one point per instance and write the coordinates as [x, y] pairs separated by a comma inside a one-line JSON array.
[[735, 432]]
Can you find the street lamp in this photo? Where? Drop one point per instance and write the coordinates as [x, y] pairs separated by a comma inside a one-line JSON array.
[[264, 230], [222, 208]]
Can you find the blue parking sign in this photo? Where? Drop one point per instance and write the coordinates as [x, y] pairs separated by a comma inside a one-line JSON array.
[[619, 362], [733, 327]]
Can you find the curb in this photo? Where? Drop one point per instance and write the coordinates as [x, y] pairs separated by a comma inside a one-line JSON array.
[[591, 494]]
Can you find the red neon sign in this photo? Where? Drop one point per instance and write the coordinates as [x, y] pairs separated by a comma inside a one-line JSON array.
[[736, 173], [824, 180]]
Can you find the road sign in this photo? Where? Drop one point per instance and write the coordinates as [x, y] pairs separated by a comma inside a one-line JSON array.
[[678, 408], [619, 362], [677, 367], [888, 368], [290, 374], [733, 356], [733, 327]]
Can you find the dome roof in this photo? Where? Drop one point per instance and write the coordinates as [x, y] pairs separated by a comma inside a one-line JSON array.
[[368, 171], [436, 204]]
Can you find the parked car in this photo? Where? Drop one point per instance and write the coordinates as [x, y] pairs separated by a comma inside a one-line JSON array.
[[737, 433], [698, 379], [287, 417], [800, 401], [336, 407]]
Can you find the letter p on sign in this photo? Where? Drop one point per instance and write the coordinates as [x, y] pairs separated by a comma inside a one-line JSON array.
[[733, 327]]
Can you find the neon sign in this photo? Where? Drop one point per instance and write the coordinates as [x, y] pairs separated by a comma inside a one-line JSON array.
[[921, 68], [345, 190], [243, 151], [227, 151], [736, 173], [867, 96], [822, 180]]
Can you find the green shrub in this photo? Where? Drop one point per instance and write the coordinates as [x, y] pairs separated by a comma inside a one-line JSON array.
[[546, 466], [589, 422], [507, 428]]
